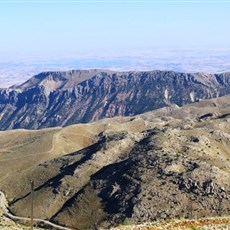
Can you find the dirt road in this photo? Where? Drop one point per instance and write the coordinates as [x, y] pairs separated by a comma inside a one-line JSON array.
[[4, 206]]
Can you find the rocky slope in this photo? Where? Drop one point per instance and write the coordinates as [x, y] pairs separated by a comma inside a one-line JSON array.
[[170, 163], [63, 98]]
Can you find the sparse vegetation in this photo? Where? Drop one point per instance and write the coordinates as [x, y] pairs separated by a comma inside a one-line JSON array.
[[83, 179], [127, 221]]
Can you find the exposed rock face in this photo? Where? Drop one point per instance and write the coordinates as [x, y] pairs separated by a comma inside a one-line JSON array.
[[63, 98], [170, 163]]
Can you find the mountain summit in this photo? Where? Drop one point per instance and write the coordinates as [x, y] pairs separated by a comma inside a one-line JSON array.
[[52, 99]]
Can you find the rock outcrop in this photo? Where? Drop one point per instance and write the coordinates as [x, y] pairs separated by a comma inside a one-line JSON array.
[[63, 98], [166, 164]]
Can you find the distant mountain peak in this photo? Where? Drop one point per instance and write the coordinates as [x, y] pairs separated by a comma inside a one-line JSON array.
[[68, 97]]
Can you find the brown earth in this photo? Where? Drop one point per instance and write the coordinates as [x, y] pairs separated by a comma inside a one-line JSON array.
[[171, 163], [205, 224]]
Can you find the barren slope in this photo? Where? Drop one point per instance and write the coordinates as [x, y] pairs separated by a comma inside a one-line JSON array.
[[171, 163]]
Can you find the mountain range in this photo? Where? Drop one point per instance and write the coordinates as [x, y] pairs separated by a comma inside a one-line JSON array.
[[53, 99], [155, 146]]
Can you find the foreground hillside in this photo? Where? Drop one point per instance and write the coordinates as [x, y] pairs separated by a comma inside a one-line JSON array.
[[8, 224], [63, 98], [221, 223], [171, 163]]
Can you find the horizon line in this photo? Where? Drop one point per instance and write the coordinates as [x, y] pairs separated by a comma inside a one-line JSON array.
[[114, 1]]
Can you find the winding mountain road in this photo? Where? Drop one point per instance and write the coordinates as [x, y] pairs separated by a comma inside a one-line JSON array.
[[4, 206]]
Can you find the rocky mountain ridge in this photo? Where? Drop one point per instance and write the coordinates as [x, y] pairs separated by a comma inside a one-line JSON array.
[[54, 99]]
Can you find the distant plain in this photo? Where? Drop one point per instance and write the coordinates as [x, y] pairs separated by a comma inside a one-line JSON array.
[[17, 70]]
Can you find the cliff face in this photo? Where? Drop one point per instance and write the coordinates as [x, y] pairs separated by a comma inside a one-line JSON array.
[[63, 98]]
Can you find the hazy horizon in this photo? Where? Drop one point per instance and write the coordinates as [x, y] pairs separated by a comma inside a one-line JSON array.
[[17, 71], [189, 36]]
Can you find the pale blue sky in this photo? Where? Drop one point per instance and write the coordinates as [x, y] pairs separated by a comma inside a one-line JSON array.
[[68, 28]]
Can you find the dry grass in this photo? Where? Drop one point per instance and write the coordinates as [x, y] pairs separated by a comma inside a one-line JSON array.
[[7, 224], [22, 151], [201, 224]]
